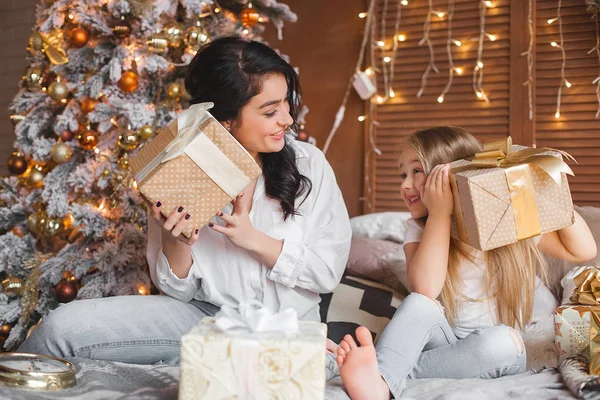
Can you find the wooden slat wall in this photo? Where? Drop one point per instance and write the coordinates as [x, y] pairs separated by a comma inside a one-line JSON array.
[[576, 131]]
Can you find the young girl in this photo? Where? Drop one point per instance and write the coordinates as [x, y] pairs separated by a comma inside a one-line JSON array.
[[283, 241], [486, 295]]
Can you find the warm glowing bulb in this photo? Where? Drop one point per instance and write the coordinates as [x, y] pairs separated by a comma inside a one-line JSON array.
[[361, 118], [552, 20], [401, 37], [458, 70], [97, 150], [134, 185], [392, 93], [387, 59], [250, 5], [71, 16], [380, 99], [554, 44], [567, 83], [217, 10], [441, 99], [492, 37], [381, 43], [441, 14], [260, 19], [369, 71], [363, 15], [489, 4], [457, 43], [479, 64], [404, 2], [557, 115], [245, 31], [479, 95]]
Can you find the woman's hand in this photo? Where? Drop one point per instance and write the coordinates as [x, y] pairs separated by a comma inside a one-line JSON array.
[[436, 194], [174, 224], [238, 227]]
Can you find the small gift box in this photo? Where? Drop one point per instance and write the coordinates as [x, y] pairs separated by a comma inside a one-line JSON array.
[[595, 342], [253, 354], [508, 193], [194, 163]]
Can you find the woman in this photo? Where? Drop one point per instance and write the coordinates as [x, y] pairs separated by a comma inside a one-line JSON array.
[[282, 241]]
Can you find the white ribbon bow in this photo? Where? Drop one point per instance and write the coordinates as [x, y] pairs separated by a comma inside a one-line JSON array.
[[251, 317], [187, 122]]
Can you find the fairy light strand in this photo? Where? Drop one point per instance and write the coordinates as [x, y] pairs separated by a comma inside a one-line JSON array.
[[563, 80], [427, 40], [449, 43], [395, 48], [478, 69], [597, 50], [529, 53], [383, 56]]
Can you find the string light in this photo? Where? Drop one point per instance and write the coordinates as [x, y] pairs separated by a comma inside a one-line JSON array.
[[458, 70], [387, 59], [369, 71], [361, 118], [400, 38], [425, 39], [529, 53], [489, 4], [597, 50], [560, 45], [381, 43], [457, 43], [478, 70], [362, 15], [552, 20], [391, 93], [451, 68], [404, 2]]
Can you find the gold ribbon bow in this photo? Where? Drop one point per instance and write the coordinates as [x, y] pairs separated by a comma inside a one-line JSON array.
[[51, 46], [587, 287]]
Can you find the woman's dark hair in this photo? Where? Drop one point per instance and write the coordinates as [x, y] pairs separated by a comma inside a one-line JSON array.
[[228, 72]]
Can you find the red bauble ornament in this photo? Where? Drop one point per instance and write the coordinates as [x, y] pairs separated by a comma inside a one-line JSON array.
[[303, 136], [66, 290]]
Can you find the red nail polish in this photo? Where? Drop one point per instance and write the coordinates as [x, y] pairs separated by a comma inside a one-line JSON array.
[[210, 224]]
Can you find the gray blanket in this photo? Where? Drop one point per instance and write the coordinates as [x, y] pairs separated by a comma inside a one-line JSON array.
[[99, 380]]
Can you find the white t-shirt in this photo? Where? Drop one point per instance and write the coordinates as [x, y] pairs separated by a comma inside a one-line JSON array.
[[316, 245], [474, 309]]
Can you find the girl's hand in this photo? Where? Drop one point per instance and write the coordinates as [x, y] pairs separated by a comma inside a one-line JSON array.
[[436, 193], [239, 229], [174, 224]]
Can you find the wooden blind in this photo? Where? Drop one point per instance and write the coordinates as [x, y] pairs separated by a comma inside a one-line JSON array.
[[504, 72]]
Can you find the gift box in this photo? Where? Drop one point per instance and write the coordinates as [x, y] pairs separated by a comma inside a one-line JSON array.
[[508, 193], [194, 163], [595, 342], [572, 330], [218, 364]]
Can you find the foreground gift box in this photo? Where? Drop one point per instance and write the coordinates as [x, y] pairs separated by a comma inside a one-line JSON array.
[[508, 193], [194, 163], [268, 365], [572, 330]]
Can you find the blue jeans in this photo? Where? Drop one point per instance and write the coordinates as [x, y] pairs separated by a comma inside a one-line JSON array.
[[131, 329], [418, 343]]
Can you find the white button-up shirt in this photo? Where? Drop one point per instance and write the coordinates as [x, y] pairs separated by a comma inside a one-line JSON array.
[[314, 255]]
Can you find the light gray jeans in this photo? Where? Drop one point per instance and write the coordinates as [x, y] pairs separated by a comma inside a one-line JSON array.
[[418, 343]]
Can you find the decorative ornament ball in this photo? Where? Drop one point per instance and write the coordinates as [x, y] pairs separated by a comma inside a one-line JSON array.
[[145, 132], [303, 136], [249, 17], [35, 179], [67, 136], [32, 80], [32, 223], [175, 90], [36, 41], [52, 227], [48, 78], [12, 285], [66, 291], [196, 37], [129, 81], [105, 172], [18, 231], [174, 34], [88, 105], [123, 162], [17, 164], [60, 153], [58, 91], [5, 331], [78, 37], [88, 139], [128, 140]]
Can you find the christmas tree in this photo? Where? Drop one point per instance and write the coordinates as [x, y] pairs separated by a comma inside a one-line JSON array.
[[103, 77]]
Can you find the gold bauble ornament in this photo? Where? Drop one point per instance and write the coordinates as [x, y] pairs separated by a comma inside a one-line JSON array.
[[60, 153], [174, 34], [5, 331], [250, 17], [35, 179], [158, 43], [123, 162], [58, 91], [88, 139], [52, 227], [36, 41], [175, 91], [145, 132], [129, 81], [17, 163], [121, 27], [128, 140], [68, 221], [78, 37], [66, 290], [105, 172], [32, 80], [12, 285], [196, 37], [33, 223], [88, 105]]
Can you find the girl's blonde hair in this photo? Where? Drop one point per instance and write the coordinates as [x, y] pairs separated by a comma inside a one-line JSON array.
[[511, 269]]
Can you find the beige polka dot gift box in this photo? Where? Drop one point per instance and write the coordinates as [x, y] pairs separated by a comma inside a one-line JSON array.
[[507, 193], [195, 163], [218, 364]]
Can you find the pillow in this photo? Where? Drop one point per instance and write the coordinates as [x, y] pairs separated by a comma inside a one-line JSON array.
[[358, 302], [385, 225]]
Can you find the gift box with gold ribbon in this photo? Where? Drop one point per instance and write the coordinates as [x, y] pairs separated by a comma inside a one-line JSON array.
[[508, 193], [575, 332], [253, 355], [194, 163]]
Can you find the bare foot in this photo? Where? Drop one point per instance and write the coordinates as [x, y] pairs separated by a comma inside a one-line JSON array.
[[358, 367]]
